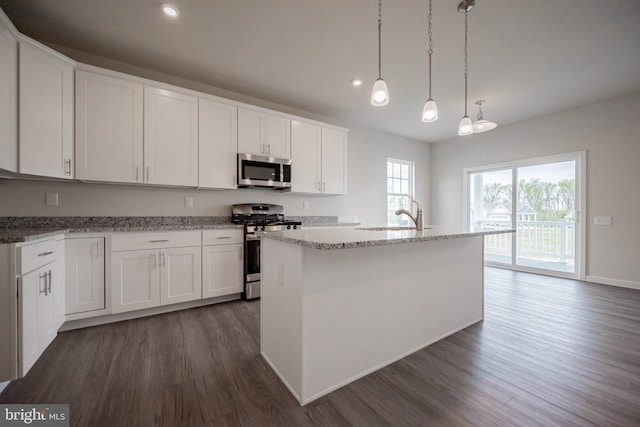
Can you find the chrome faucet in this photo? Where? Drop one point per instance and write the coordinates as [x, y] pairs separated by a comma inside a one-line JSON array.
[[417, 219]]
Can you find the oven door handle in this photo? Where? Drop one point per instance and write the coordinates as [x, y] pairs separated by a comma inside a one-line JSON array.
[[252, 237]]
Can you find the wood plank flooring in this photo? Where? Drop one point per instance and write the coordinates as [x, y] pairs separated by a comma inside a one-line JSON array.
[[549, 352]]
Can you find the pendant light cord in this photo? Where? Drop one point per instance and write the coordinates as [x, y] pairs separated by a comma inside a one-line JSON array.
[[380, 39], [466, 66], [430, 46]]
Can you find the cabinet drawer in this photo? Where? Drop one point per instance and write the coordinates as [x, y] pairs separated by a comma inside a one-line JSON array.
[[35, 255], [225, 236], [171, 239]]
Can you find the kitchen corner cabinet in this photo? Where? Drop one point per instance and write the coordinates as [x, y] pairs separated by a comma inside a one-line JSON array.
[[39, 297], [45, 111], [149, 270], [218, 144], [222, 268], [109, 142], [84, 274], [264, 134], [319, 157], [8, 95], [170, 137]]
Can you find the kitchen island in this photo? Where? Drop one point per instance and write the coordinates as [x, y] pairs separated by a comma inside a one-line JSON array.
[[339, 304]]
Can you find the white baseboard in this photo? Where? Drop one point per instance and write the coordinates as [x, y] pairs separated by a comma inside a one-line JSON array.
[[614, 282]]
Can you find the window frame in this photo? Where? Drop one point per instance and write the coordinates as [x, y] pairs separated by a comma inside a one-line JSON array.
[[411, 186]]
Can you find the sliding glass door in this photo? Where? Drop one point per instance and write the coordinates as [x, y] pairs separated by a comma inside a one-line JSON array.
[[541, 200]]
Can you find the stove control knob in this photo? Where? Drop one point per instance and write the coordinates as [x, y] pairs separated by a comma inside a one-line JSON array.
[[289, 227], [295, 227], [256, 228], [263, 228]]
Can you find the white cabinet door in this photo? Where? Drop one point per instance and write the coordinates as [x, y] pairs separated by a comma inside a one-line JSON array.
[[45, 112], [8, 96], [170, 137], [84, 272], [305, 157], [251, 132], [181, 275], [218, 143], [135, 280], [108, 128], [334, 161], [264, 134], [29, 293], [278, 136], [58, 286], [222, 270]]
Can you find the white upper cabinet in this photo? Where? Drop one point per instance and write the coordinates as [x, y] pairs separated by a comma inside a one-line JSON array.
[[218, 143], [109, 142], [319, 159], [45, 111], [264, 134], [170, 137], [8, 95], [306, 149], [334, 161]]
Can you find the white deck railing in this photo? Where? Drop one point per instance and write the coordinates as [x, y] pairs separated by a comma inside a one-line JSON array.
[[549, 240]]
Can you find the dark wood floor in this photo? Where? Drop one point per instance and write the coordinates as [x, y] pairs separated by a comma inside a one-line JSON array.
[[549, 352]]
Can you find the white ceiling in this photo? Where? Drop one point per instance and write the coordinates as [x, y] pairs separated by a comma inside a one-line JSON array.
[[527, 58]]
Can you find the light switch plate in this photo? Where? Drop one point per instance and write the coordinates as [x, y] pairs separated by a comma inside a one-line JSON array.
[[602, 220], [52, 199], [188, 202], [305, 205]]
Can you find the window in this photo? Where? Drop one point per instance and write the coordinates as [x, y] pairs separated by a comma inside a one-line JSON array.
[[399, 191]]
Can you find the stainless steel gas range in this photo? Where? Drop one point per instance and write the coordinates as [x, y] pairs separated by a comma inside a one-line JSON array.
[[257, 217]]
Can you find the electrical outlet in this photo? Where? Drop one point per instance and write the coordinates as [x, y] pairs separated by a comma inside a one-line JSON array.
[[602, 220], [188, 202], [52, 199], [305, 205]]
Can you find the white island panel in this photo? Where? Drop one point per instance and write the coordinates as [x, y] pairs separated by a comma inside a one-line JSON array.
[[363, 308]]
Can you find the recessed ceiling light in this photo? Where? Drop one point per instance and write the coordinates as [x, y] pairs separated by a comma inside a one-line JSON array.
[[356, 82], [170, 10]]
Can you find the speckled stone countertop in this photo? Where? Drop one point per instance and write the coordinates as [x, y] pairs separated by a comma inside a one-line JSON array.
[[25, 229], [360, 237]]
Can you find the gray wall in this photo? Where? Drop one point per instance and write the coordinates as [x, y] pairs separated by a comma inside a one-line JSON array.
[[609, 131], [366, 198]]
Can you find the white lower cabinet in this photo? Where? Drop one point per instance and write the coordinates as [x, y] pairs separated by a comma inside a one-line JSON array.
[[40, 302], [153, 269], [221, 270], [180, 275], [84, 275]]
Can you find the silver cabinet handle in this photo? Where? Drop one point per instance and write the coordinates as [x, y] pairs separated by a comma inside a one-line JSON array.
[[67, 167], [319, 186], [137, 173], [45, 292], [163, 259], [269, 149], [97, 249], [324, 187], [148, 167], [223, 237], [158, 241], [45, 253], [154, 257], [49, 281]]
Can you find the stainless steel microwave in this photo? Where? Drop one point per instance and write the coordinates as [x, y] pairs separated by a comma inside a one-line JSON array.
[[263, 172]]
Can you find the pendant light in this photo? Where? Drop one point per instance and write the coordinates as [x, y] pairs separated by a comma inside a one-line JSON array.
[[482, 125], [430, 110], [380, 93], [465, 127]]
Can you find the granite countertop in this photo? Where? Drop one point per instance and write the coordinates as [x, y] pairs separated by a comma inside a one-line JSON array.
[[18, 235], [359, 237]]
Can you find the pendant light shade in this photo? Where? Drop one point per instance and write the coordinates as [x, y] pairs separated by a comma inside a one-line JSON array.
[[430, 110], [482, 125], [465, 127], [380, 92]]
